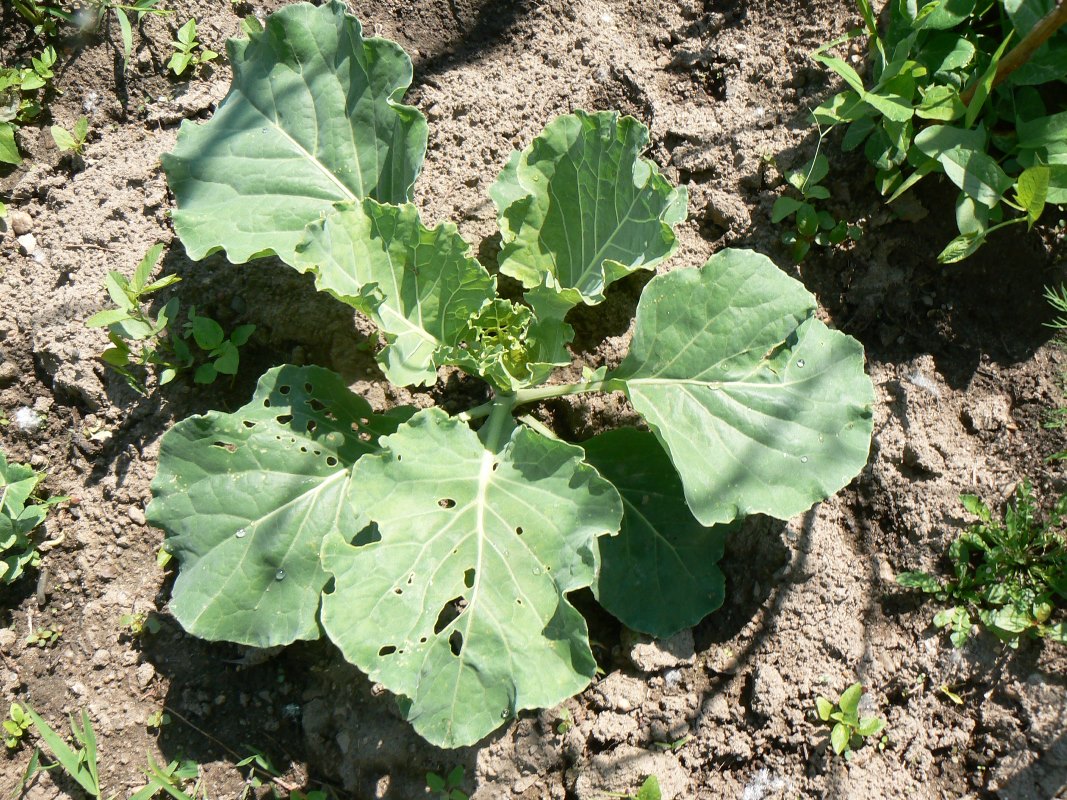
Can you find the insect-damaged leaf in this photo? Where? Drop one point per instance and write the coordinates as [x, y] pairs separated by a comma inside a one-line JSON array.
[[420, 286], [761, 407], [459, 606], [579, 208], [246, 498], [661, 573], [312, 117]]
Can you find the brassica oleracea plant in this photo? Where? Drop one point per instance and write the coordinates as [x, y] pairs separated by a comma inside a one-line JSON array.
[[438, 552]]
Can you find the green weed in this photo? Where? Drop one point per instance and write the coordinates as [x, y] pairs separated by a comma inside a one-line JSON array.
[[188, 52], [849, 728]]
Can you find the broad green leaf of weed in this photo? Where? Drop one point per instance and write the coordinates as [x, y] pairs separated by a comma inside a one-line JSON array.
[[459, 603], [1032, 191], [718, 356], [9, 151], [359, 141], [649, 789]]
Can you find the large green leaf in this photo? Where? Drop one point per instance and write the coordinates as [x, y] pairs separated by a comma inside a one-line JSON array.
[[499, 538], [420, 286], [761, 407], [313, 117], [661, 573], [246, 498], [579, 208]]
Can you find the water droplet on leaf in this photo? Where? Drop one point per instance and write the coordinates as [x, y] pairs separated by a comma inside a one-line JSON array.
[[279, 575], [800, 363], [803, 459], [241, 533], [537, 571]]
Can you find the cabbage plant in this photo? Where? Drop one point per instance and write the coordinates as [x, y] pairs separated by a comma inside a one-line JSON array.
[[438, 551]]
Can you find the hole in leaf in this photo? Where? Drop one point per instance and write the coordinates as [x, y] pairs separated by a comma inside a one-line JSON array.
[[468, 578], [364, 420], [368, 535], [398, 458], [366, 437], [518, 600], [248, 423], [446, 502], [316, 405], [303, 449], [518, 530], [227, 446], [495, 465], [308, 388], [316, 452], [312, 425], [398, 590], [331, 461], [422, 640], [330, 416], [283, 389], [387, 650], [448, 613], [266, 402], [411, 578], [455, 643], [284, 419]]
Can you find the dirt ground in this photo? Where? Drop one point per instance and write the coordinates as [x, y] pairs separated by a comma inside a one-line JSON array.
[[964, 369]]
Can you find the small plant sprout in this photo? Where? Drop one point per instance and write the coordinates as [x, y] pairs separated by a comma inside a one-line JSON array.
[[811, 225], [1009, 577], [849, 729], [21, 513], [72, 141], [44, 636], [170, 780], [20, 99], [80, 761], [447, 787], [188, 52], [102, 9], [139, 623], [649, 790], [139, 341], [15, 726], [315, 503]]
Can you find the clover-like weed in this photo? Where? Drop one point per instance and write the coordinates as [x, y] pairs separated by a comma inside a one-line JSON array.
[[849, 730]]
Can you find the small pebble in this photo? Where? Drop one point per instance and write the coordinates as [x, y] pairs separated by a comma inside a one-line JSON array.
[[27, 420], [21, 222], [9, 373], [136, 514]]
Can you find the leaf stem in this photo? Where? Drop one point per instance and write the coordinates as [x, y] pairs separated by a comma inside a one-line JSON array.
[[497, 429], [537, 393]]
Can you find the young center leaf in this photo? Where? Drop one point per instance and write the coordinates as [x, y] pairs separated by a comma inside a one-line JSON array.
[[312, 118], [419, 285], [761, 407], [246, 498], [661, 573], [458, 603], [579, 208]]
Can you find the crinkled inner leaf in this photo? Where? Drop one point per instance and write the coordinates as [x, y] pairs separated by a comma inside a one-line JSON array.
[[661, 573], [459, 604], [246, 498], [419, 285], [313, 117], [761, 407], [579, 208]]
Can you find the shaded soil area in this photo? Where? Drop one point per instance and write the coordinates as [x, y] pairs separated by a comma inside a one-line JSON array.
[[965, 371]]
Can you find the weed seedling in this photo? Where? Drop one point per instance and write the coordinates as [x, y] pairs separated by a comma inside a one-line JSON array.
[[20, 99], [169, 779], [139, 341], [21, 512], [71, 141], [15, 726], [1008, 577], [849, 728], [188, 52], [44, 636], [139, 623], [79, 762], [649, 791], [122, 12], [447, 787], [811, 225]]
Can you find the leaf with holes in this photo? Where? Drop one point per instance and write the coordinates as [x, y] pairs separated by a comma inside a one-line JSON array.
[[760, 406], [313, 117], [459, 603], [246, 499], [579, 208], [661, 573]]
